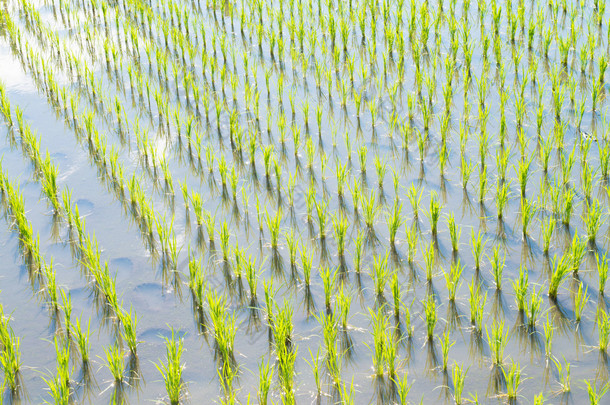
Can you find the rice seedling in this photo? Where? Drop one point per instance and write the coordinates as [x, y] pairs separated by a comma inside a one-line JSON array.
[[520, 287], [394, 221], [172, 369], [265, 372], [547, 233], [497, 266], [452, 279], [429, 260], [513, 380], [602, 271], [430, 316], [434, 213], [477, 243], [497, 338], [380, 339], [604, 331], [595, 394], [533, 308], [477, 305], [560, 267], [580, 301], [455, 232], [564, 374], [446, 344], [114, 359]]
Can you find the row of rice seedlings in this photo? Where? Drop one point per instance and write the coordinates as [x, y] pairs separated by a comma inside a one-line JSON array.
[[127, 319]]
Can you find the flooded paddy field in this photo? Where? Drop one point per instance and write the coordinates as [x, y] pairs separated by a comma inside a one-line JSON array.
[[363, 201]]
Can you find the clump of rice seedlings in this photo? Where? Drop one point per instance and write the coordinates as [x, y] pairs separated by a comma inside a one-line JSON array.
[[273, 223], [380, 338], [82, 339], [452, 278], [455, 232], [476, 241], [172, 368], [592, 220], [564, 374], [577, 252], [415, 196], [446, 344], [560, 267], [596, 395], [197, 207], [604, 331], [265, 374], [322, 215], [497, 338], [369, 210], [602, 271], [502, 196], [403, 387], [522, 170], [129, 321], [390, 354], [329, 280], [114, 359], [459, 378], [344, 302], [396, 295], [513, 380], [430, 316], [412, 242], [533, 309], [520, 287], [547, 233], [497, 266], [59, 386], [429, 260], [477, 306], [527, 212], [380, 168], [10, 358], [394, 221], [580, 301], [358, 252], [434, 213]]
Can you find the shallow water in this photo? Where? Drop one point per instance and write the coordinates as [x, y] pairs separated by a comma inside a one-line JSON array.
[[162, 299]]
